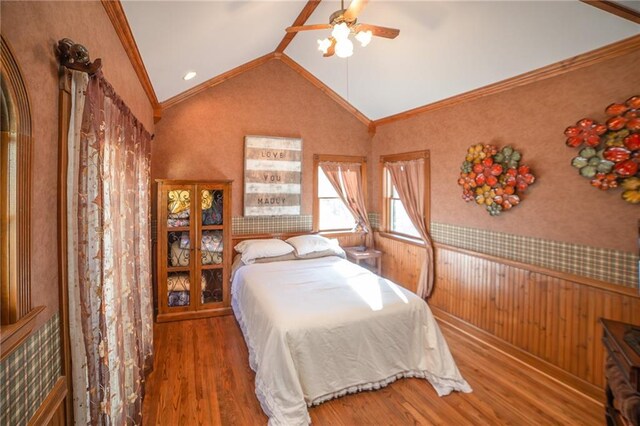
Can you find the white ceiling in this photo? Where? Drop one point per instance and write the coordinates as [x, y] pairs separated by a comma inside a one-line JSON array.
[[630, 4], [444, 47], [208, 37]]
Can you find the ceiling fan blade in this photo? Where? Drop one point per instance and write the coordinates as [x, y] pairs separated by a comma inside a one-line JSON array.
[[308, 28], [379, 31], [354, 9], [332, 49]]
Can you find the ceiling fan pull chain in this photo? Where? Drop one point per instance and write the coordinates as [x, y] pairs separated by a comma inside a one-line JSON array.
[[348, 80]]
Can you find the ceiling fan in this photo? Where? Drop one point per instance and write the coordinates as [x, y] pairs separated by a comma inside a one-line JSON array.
[[344, 22]]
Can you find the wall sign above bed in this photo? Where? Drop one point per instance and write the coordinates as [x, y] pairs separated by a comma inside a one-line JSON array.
[[272, 176]]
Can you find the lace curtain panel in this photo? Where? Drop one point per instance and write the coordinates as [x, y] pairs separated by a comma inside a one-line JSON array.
[[110, 299], [409, 180]]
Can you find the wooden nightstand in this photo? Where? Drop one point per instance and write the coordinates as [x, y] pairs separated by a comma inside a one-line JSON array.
[[358, 254]]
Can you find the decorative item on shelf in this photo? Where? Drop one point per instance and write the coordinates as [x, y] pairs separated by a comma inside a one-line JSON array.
[[493, 177], [611, 155]]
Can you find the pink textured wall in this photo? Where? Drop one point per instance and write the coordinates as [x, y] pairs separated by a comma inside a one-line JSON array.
[[32, 30], [203, 137], [561, 205]]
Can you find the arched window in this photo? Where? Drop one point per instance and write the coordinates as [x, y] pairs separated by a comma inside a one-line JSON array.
[[15, 161]]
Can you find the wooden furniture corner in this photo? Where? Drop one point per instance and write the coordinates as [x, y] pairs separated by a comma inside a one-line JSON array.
[[358, 254], [622, 372]]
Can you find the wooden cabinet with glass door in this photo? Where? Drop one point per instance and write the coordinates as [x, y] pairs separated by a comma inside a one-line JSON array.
[[194, 249]]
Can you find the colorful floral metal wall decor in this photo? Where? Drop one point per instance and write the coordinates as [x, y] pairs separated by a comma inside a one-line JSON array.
[[493, 177], [610, 154]]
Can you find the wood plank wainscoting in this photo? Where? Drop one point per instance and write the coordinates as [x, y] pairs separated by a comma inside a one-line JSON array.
[[544, 317], [52, 411]]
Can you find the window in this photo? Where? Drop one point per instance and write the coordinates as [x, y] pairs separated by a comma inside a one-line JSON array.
[[333, 214], [15, 302], [8, 214], [399, 221], [330, 214], [395, 219]]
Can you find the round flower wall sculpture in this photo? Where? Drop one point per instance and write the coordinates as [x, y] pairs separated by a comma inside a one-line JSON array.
[[609, 153], [494, 178]]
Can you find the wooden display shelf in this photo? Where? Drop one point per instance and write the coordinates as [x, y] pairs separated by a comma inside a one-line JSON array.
[[212, 227], [191, 194], [178, 228], [213, 266]]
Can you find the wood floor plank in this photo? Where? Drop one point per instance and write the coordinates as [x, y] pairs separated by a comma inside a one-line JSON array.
[[202, 377]]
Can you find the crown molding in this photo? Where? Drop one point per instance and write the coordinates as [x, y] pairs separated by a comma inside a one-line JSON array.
[[323, 87], [302, 18], [121, 26], [180, 97], [622, 47], [616, 9]]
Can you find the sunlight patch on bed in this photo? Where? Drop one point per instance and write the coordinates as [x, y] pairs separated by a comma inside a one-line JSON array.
[[368, 288], [367, 285], [396, 290]]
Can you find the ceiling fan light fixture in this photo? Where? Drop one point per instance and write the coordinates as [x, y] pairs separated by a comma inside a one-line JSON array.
[[364, 37], [323, 45], [343, 23], [341, 31], [344, 48]]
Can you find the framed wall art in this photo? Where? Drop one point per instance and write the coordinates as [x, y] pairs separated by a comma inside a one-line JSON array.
[[272, 176]]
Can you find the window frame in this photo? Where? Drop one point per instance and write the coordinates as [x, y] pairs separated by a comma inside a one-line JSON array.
[[386, 193], [18, 316], [321, 158]]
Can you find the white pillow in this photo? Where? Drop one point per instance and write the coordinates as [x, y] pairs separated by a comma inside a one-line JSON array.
[[242, 245], [256, 249], [305, 244]]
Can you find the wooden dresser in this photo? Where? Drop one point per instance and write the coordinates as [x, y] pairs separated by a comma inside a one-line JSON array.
[[622, 371]]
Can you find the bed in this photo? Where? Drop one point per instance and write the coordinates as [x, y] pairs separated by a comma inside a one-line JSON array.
[[317, 329]]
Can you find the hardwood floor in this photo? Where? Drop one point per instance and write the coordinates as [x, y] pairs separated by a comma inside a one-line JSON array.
[[202, 377]]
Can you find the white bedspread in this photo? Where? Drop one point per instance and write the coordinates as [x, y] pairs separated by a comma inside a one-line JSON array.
[[318, 329]]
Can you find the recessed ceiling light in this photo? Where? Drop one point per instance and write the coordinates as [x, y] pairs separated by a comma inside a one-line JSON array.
[[189, 75]]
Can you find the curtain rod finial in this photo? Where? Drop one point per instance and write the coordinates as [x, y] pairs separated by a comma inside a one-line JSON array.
[[76, 57]]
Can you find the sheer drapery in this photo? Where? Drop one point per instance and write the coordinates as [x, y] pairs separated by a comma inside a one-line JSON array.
[[108, 237], [409, 181], [351, 193]]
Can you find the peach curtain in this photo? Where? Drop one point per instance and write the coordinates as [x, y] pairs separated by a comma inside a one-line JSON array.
[[351, 192], [409, 180], [110, 299]]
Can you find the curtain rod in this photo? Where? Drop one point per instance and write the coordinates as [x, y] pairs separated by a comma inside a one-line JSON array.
[[76, 57]]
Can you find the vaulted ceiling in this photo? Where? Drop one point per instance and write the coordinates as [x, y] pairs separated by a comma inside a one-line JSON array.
[[444, 48]]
